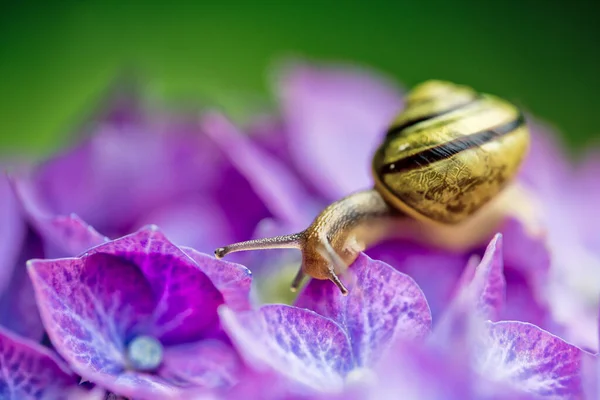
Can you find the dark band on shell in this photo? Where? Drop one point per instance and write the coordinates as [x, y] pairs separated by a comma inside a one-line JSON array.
[[452, 147], [394, 130]]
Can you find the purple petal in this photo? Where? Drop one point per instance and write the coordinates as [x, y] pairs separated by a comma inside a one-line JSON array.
[[479, 296], [135, 385], [18, 309], [586, 195], [531, 359], [546, 167], [522, 304], [590, 376], [329, 108], [488, 285], [264, 385], [30, 371], [281, 192], [268, 133], [66, 235], [207, 364], [575, 262], [90, 306], [297, 343], [12, 232], [524, 252], [197, 221], [422, 263], [526, 270], [468, 273], [483, 289], [382, 306], [232, 280], [140, 284], [74, 235], [420, 373], [241, 206], [127, 167], [187, 300]]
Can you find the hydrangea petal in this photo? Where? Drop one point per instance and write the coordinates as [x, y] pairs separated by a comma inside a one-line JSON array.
[[486, 291], [382, 306], [585, 180], [12, 232], [18, 309], [264, 385], [530, 359], [196, 221], [74, 234], [545, 167], [489, 280], [268, 132], [90, 306], [421, 263], [187, 299], [526, 270], [275, 185], [479, 296], [575, 265], [590, 377], [65, 235], [135, 385], [241, 206], [30, 371], [207, 364], [328, 107], [298, 343], [526, 253], [232, 280], [122, 170], [420, 373]]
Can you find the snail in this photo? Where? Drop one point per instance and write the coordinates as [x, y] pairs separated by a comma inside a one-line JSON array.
[[441, 174]]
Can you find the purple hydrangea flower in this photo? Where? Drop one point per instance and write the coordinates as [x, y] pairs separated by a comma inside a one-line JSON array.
[[326, 339], [67, 235], [138, 315], [30, 371], [138, 166], [504, 356], [17, 310], [509, 360], [378, 341]]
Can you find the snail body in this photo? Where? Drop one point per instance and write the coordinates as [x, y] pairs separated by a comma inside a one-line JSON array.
[[440, 173]]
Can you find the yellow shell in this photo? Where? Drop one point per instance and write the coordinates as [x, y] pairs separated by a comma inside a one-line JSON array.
[[449, 152]]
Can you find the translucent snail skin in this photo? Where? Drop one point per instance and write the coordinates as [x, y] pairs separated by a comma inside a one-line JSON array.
[[442, 174]]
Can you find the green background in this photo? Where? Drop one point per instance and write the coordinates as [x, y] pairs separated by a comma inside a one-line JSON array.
[[57, 58]]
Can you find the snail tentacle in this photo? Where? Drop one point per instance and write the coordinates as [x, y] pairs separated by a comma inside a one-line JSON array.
[[335, 264], [292, 241]]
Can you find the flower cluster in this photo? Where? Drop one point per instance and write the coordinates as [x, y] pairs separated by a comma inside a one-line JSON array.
[[108, 285]]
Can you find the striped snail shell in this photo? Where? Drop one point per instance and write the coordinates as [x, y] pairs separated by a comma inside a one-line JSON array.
[[446, 156], [450, 152]]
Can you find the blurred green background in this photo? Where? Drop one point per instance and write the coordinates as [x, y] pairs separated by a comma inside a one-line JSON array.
[[57, 58]]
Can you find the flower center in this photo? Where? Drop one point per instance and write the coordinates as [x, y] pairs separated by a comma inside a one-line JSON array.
[[145, 353], [361, 376]]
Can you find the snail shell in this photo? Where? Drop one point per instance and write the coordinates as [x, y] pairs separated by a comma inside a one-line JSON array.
[[450, 152]]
